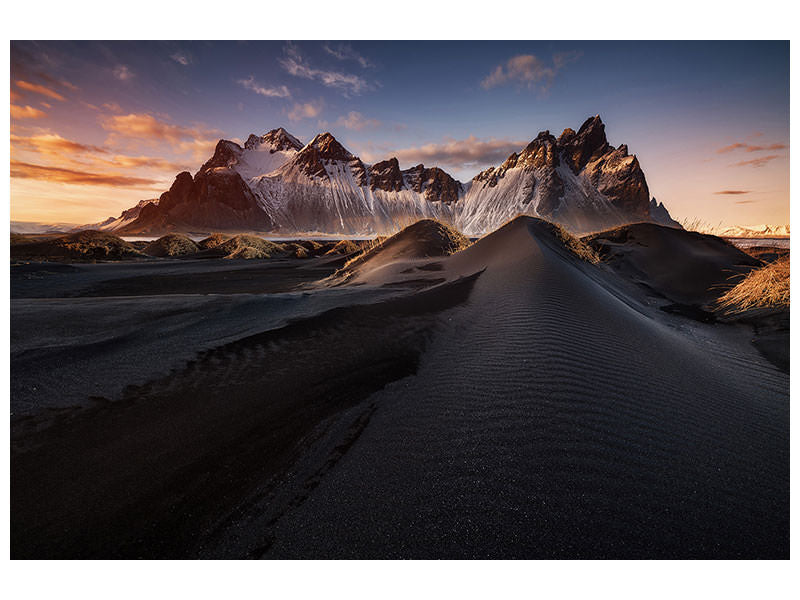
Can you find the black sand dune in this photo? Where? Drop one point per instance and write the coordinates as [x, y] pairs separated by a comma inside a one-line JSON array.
[[426, 238], [525, 404], [684, 266]]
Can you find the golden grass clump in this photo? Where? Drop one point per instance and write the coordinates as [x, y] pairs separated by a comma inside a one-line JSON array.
[[766, 287], [574, 244]]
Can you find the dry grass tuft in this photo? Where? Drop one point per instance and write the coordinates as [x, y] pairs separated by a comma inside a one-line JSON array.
[[767, 287], [574, 244]]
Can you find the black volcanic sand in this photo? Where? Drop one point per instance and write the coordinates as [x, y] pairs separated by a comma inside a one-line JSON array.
[[167, 276], [151, 475], [530, 406]]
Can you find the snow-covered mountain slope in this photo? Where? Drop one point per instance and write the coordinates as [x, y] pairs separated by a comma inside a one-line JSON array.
[[577, 180], [275, 184], [325, 188]]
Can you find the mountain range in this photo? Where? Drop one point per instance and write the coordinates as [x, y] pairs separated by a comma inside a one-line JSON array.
[[276, 184]]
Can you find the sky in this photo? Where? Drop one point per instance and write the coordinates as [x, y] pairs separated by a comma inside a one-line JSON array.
[[98, 126]]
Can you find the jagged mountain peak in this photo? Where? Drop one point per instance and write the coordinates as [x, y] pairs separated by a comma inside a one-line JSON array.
[[328, 147], [226, 154], [276, 139]]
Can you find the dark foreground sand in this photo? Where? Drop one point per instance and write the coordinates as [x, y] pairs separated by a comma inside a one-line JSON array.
[[507, 401]]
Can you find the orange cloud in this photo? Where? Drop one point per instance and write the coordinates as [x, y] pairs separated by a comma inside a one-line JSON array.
[[26, 112], [51, 143], [145, 162], [750, 148], [73, 153], [756, 162], [40, 89], [23, 170], [146, 127]]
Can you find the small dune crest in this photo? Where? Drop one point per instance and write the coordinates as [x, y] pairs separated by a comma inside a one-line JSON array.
[[88, 245], [172, 244], [427, 238]]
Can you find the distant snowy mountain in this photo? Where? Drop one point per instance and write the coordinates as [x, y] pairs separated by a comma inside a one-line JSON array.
[[754, 231], [36, 227], [115, 223], [276, 184]]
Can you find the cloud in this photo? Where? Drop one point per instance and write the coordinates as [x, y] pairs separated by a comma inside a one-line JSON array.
[[732, 192], [750, 148], [346, 52], [76, 154], [461, 152], [181, 58], [52, 144], [26, 112], [40, 89], [280, 91], [356, 121], [529, 70], [756, 162], [296, 65], [144, 126], [308, 110], [745, 202], [145, 162], [23, 170], [122, 72]]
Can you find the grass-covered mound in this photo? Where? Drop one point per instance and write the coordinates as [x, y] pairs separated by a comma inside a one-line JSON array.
[[343, 247], [249, 247], [212, 241], [172, 244], [89, 245]]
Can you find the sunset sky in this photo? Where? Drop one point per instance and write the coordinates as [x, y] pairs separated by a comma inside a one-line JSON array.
[[97, 126]]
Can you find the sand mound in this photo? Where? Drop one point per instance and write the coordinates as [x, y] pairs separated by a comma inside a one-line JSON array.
[[424, 239], [83, 245], [248, 246], [172, 244], [683, 266], [212, 241]]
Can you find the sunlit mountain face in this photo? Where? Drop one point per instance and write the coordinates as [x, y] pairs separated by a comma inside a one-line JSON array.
[[100, 129]]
